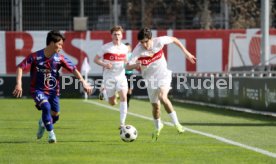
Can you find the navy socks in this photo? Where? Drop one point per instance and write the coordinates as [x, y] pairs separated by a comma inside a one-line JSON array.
[[46, 116]]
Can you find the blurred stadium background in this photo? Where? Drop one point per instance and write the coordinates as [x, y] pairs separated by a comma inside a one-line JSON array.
[[16, 15], [225, 36]]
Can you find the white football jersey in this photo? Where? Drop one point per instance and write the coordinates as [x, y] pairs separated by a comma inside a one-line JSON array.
[[116, 55], [153, 62]]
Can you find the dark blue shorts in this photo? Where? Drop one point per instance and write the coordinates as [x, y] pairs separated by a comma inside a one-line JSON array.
[[40, 96]]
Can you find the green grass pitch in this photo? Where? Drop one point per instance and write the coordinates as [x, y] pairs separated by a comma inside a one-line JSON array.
[[88, 133]]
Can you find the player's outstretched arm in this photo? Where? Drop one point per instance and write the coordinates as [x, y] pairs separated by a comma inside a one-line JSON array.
[[17, 92], [189, 56], [86, 86]]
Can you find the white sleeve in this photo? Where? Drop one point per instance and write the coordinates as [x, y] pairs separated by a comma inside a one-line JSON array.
[[164, 40], [135, 55]]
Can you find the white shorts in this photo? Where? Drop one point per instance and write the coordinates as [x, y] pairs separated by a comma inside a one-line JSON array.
[[113, 85], [153, 87]]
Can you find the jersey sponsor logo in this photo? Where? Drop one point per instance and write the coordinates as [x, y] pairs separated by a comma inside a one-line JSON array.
[[43, 70], [114, 57], [148, 60]]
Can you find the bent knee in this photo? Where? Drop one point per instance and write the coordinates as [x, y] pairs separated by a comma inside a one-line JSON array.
[[53, 113], [163, 98]]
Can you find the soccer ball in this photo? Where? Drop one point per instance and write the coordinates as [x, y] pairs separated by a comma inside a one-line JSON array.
[[128, 133]]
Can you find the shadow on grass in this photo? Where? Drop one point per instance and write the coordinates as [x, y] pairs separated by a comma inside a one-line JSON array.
[[219, 111], [15, 142], [77, 141], [228, 124], [225, 112], [59, 141]]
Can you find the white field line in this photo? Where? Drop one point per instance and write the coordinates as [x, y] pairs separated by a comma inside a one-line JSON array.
[[258, 150]]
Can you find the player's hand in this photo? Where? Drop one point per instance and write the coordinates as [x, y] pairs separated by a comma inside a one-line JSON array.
[[87, 88], [108, 66], [138, 65], [191, 58], [17, 92]]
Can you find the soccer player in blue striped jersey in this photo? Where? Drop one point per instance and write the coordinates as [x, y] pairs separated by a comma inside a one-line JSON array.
[[44, 88]]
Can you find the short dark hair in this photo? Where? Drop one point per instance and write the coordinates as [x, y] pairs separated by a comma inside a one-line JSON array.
[[144, 33], [116, 28], [54, 36]]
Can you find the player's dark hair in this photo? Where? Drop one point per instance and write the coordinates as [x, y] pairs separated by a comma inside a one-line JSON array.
[[144, 33], [116, 28], [54, 36]]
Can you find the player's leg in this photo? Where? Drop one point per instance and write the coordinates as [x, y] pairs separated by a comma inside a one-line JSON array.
[[156, 113], [112, 100], [110, 87], [122, 88], [48, 121], [103, 94], [129, 93], [55, 109], [157, 121], [46, 117], [163, 96], [45, 121], [130, 88], [123, 106]]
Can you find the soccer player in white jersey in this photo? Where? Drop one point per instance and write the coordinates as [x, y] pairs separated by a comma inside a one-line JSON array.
[[148, 55], [112, 57]]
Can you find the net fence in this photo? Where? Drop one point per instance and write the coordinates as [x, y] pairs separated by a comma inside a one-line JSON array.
[[131, 14]]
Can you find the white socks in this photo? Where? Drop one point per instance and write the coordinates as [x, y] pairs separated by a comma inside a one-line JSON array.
[[105, 95], [157, 123], [123, 112], [174, 118]]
